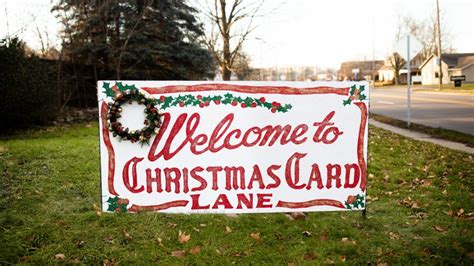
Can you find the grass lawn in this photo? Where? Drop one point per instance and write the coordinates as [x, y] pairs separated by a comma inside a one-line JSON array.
[[420, 211]]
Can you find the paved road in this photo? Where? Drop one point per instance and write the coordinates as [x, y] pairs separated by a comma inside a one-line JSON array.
[[436, 109]]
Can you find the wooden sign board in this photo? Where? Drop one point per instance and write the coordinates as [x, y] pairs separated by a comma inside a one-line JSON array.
[[233, 147]]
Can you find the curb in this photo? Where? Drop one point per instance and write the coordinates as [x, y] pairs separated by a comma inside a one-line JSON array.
[[422, 137]]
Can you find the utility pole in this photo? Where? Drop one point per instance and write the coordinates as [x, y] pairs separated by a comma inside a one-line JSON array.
[[438, 31]]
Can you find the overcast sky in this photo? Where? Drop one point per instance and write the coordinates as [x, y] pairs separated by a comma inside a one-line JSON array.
[[299, 32]]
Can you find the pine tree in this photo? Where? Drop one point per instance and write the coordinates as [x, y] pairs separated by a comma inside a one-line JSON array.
[[137, 39]]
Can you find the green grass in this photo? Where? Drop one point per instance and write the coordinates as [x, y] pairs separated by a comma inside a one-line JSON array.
[[50, 184], [441, 133]]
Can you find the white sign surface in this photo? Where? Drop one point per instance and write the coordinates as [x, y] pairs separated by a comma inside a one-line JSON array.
[[233, 147]]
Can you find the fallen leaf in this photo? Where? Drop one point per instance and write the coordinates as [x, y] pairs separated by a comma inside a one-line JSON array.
[[439, 228], [109, 240], [60, 256], [255, 236], [178, 253], [348, 241], [183, 238], [298, 215], [393, 235], [80, 243], [160, 241], [228, 230], [460, 212], [306, 233], [451, 213], [74, 261], [172, 225], [309, 256], [342, 258], [381, 264], [108, 262], [88, 125], [202, 225], [218, 252], [195, 250], [195, 229], [470, 255], [127, 236], [324, 236]]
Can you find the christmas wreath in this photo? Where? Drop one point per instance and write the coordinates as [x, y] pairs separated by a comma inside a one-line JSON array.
[[152, 116]]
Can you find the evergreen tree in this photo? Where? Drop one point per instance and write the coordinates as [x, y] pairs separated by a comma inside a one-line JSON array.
[[136, 39]]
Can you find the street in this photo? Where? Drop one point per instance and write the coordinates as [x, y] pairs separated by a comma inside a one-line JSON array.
[[430, 108]]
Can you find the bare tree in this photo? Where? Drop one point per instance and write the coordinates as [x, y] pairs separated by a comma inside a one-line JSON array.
[[396, 62], [425, 31], [234, 20]]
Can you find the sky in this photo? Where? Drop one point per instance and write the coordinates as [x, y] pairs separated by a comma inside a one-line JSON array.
[[296, 33]]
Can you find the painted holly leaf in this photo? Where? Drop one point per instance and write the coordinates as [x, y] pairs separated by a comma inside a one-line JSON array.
[[356, 201], [117, 204], [108, 90], [355, 94]]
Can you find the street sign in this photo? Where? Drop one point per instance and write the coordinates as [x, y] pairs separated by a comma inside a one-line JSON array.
[[401, 47], [233, 147]]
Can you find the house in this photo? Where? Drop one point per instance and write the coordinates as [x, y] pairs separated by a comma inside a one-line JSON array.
[[451, 65], [386, 73], [360, 70]]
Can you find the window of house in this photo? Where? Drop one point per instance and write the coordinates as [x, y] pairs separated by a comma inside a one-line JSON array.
[[436, 75]]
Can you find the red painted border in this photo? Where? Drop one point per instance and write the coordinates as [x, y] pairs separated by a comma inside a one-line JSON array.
[[164, 206], [310, 203], [246, 89], [110, 148], [360, 143]]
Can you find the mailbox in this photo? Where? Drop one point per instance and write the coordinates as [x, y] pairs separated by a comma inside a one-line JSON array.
[[458, 79]]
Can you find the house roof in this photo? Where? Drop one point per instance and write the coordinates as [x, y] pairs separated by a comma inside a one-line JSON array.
[[364, 66], [460, 60]]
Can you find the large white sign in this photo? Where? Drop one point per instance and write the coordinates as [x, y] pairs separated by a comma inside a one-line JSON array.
[[233, 147]]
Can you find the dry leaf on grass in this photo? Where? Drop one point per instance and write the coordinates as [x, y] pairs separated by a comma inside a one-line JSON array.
[[309, 256], [183, 237], [255, 235], [439, 228], [228, 230], [160, 242], [342, 258], [60, 256], [178, 253], [346, 240], [195, 250]]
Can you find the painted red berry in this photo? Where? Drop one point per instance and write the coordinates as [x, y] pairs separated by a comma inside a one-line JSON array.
[[273, 110], [181, 104], [276, 104], [162, 98], [126, 201], [253, 105], [206, 103], [243, 105], [217, 102], [199, 97], [262, 99], [201, 105], [234, 103], [351, 199]]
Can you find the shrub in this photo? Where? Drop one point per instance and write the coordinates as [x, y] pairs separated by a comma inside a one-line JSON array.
[[28, 94]]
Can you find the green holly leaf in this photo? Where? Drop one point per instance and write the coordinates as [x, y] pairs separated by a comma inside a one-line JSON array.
[[362, 88], [346, 102], [108, 90]]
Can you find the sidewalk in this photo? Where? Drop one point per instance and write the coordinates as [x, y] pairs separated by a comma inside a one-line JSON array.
[[422, 137]]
